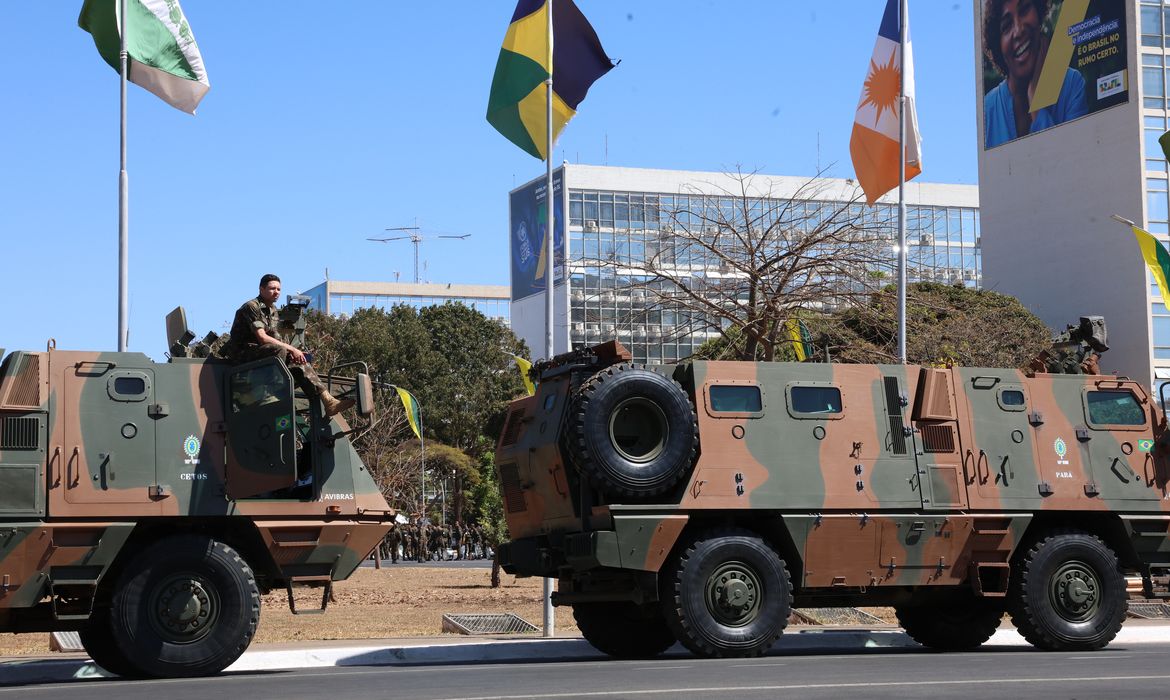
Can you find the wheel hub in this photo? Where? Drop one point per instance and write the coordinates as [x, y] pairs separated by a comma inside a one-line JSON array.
[[1075, 591], [733, 594], [185, 608]]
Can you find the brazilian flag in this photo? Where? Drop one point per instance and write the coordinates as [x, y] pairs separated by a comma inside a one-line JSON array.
[[517, 106], [1157, 259], [413, 415]]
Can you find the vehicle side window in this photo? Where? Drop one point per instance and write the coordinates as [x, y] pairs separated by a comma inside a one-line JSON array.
[[1011, 399], [257, 386], [128, 386], [815, 399], [736, 399], [1114, 408]]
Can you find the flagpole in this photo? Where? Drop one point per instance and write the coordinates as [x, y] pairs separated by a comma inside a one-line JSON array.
[[422, 449], [550, 250], [123, 191], [902, 185]]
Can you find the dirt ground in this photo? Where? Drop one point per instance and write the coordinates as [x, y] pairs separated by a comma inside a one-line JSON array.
[[395, 601], [399, 601]]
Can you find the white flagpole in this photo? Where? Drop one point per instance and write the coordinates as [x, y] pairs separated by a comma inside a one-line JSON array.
[[550, 263], [123, 194], [902, 185]]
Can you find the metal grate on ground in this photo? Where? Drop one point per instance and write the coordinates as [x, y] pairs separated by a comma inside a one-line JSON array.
[[487, 623], [1149, 611]]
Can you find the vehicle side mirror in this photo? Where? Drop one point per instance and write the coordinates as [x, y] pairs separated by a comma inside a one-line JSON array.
[[365, 395]]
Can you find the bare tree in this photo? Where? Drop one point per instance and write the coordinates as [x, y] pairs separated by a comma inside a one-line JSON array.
[[739, 258]]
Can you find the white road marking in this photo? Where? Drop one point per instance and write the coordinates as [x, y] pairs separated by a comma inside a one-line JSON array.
[[804, 686]]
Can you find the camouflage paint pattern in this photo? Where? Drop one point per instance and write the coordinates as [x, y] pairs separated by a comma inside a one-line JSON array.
[[923, 477], [93, 445]]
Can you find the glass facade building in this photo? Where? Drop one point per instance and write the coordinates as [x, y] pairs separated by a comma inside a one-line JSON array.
[[623, 221], [343, 298]]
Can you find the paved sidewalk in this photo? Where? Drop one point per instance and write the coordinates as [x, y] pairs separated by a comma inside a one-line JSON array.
[[453, 649]]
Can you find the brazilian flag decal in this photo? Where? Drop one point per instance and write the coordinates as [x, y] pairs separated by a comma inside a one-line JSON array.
[[517, 104], [283, 422], [410, 405]]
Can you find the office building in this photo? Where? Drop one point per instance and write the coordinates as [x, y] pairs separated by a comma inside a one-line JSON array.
[[1087, 149], [343, 298], [621, 218]]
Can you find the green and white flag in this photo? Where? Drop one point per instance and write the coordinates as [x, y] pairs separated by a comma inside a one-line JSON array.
[[162, 55]]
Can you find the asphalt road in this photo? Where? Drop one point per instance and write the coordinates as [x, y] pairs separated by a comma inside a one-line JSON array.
[[1131, 672]]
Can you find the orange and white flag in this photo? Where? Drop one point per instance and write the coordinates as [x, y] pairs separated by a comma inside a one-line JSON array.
[[874, 144]]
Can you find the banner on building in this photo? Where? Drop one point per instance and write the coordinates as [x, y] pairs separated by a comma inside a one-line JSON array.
[[1046, 62], [529, 226]]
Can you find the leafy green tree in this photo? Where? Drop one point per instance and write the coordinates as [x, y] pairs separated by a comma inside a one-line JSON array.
[[456, 363], [945, 324]]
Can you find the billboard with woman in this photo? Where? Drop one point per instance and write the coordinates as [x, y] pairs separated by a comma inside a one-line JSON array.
[[1046, 62]]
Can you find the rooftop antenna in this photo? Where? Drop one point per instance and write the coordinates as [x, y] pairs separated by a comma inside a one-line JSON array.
[[411, 233]]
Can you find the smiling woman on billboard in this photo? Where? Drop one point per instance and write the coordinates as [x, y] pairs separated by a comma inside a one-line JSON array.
[[1049, 61]]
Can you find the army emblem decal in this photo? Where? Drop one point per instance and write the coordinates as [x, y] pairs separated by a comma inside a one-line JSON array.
[[191, 449], [1061, 451], [282, 423]]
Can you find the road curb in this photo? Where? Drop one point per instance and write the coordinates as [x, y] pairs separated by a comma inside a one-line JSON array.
[[404, 653]]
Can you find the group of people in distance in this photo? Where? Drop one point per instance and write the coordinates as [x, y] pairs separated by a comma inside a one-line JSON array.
[[423, 542]]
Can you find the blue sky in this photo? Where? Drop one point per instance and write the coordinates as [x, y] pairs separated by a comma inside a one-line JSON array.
[[328, 122]]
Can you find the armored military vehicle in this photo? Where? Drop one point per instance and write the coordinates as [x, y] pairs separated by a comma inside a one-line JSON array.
[[701, 502], [148, 505]]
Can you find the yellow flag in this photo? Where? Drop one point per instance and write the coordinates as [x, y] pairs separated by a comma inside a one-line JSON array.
[[524, 366], [792, 325], [413, 414]]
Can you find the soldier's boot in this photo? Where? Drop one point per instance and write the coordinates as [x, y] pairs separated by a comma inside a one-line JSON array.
[[333, 406]]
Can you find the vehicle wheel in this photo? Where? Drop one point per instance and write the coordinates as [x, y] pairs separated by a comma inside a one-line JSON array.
[[98, 640], [633, 431], [729, 595], [185, 606], [958, 624], [624, 630], [1068, 593]]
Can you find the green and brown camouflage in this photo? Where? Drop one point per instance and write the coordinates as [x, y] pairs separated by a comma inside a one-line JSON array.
[[105, 454], [953, 494]]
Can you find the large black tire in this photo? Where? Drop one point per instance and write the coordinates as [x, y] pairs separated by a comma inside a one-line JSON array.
[[633, 431], [958, 624], [624, 630], [1068, 593], [729, 595], [186, 606], [98, 640]]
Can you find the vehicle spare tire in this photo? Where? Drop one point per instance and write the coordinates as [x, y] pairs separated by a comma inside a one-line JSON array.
[[633, 431]]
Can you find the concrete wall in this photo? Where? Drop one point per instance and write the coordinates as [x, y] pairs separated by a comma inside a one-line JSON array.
[[1047, 236]]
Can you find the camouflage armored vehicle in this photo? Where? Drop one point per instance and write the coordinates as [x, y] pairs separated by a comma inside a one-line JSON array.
[[148, 505], [701, 502]]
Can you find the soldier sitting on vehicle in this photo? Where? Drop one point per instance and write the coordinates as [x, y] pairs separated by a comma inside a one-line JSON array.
[[254, 336]]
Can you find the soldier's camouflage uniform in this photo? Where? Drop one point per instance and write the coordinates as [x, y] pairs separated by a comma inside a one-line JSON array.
[[242, 347]]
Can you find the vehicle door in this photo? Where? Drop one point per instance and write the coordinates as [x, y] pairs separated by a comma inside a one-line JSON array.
[[261, 429], [109, 435], [999, 462], [1119, 432]]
